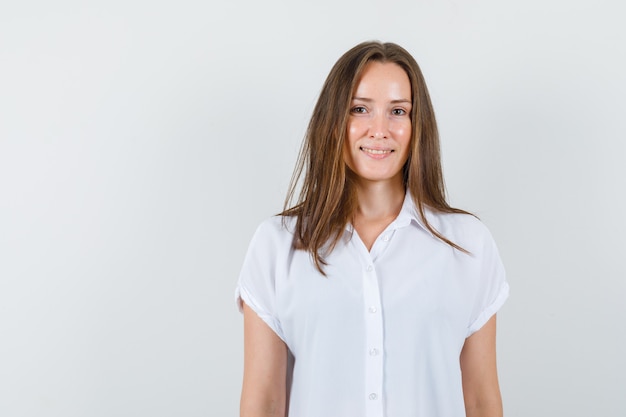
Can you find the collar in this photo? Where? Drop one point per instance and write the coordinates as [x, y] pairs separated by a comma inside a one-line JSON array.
[[408, 215]]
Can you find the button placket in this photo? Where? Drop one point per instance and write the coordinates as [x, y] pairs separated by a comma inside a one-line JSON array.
[[374, 343], [381, 244]]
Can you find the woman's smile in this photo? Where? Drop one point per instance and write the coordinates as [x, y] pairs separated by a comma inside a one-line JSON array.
[[376, 153]]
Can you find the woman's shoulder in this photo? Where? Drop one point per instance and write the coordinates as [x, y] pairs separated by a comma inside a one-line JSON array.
[[454, 224], [459, 221], [275, 229], [278, 224], [464, 229]]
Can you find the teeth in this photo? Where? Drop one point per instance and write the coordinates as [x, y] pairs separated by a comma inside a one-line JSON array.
[[376, 151]]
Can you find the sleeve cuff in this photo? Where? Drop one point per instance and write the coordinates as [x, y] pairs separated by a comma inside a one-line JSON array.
[[243, 296], [492, 309]]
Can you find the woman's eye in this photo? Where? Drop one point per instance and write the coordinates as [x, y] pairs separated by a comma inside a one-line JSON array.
[[398, 112], [358, 109]]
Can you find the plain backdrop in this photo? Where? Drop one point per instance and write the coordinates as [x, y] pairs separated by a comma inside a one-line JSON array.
[[141, 143]]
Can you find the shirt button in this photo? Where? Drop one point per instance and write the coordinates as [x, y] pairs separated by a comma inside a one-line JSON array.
[[386, 238], [370, 268], [373, 396], [372, 309], [373, 352]]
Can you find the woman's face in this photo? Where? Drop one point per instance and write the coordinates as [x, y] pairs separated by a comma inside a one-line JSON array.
[[379, 125]]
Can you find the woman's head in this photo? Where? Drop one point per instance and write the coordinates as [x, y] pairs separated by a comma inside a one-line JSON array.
[[327, 199], [327, 130]]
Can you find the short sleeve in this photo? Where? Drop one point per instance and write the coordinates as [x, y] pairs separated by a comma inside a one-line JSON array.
[[257, 279], [493, 287]]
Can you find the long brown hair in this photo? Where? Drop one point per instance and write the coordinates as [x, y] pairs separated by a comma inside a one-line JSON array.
[[327, 198]]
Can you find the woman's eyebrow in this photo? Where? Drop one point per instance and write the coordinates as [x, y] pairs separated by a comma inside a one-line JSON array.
[[369, 100]]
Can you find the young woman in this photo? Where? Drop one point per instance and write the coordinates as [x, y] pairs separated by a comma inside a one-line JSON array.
[[371, 296]]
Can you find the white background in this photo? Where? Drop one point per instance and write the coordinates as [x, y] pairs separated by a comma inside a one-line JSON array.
[[142, 142]]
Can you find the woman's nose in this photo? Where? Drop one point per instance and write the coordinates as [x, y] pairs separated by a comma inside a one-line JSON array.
[[379, 129]]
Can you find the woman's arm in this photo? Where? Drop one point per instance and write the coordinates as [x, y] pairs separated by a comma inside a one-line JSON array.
[[480, 377], [265, 369]]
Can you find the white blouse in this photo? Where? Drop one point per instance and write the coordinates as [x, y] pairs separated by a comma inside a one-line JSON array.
[[381, 335]]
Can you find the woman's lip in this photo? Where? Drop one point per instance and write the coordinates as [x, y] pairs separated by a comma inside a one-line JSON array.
[[376, 153]]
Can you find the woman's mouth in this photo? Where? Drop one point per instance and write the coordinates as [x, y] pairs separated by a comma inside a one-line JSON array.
[[376, 151]]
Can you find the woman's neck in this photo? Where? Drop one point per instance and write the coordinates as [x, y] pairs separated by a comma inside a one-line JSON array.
[[379, 200], [378, 205]]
